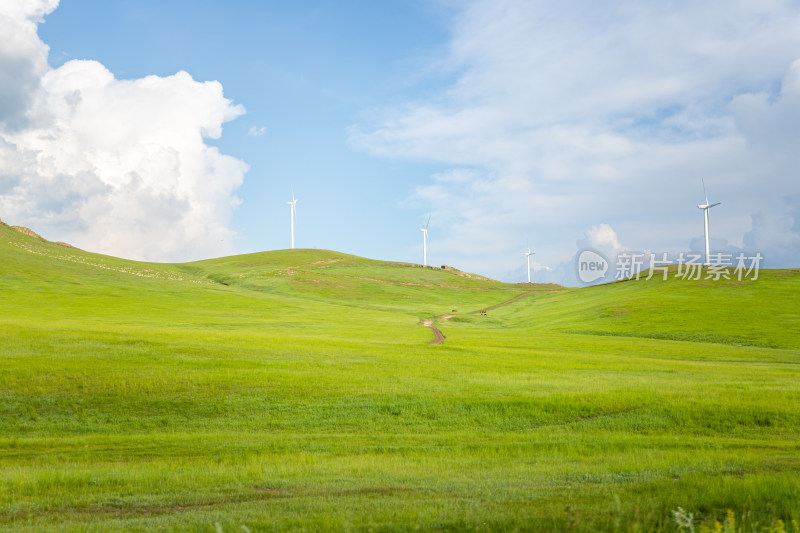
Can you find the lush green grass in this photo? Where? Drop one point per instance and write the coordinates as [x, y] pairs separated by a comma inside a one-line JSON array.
[[294, 390]]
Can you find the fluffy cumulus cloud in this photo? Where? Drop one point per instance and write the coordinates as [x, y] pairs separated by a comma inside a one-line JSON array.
[[600, 239], [563, 116], [23, 57], [117, 166]]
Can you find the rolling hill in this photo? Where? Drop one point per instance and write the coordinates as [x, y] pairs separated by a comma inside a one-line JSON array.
[[296, 390]]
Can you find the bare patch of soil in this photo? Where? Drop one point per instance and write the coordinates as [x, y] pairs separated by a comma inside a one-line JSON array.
[[501, 304], [27, 231], [438, 336]]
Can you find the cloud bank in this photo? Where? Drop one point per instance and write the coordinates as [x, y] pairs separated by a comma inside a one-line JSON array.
[[566, 116], [114, 166]]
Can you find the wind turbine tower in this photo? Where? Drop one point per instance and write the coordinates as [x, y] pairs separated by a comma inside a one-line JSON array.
[[425, 242], [528, 255], [705, 207], [292, 210]]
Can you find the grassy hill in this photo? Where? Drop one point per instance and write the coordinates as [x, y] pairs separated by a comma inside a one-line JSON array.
[[295, 390]]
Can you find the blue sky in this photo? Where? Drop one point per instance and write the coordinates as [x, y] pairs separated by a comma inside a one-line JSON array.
[[304, 71], [570, 125]]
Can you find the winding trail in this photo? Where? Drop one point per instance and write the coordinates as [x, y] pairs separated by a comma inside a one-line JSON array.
[[438, 336], [501, 304]]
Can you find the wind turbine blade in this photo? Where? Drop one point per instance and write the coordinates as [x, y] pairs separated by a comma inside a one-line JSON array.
[[428, 222], [704, 189], [712, 205]]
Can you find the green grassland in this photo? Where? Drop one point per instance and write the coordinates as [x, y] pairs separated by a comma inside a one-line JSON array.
[[295, 390]]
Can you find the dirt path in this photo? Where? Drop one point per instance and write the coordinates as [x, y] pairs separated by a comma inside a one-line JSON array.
[[501, 304], [438, 336]]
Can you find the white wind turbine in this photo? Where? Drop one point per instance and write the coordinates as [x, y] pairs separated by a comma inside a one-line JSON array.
[[425, 242], [292, 210], [705, 207], [528, 255]]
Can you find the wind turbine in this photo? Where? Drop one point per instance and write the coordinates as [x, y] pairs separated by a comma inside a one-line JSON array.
[[425, 242], [292, 210], [528, 255], [705, 207]]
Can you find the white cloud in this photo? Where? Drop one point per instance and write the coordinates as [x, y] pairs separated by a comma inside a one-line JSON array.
[[777, 235], [600, 238], [770, 122], [23, 57], [603, 238], [569, 114], [257, 132], [118, 166]]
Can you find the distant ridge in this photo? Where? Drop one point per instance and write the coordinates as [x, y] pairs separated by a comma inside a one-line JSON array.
[[27, 231], [30, 233], [447, 268]]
